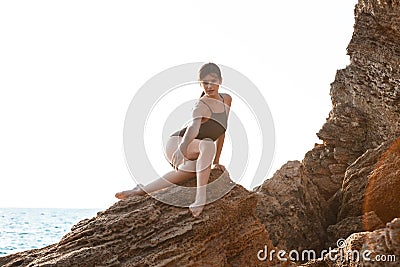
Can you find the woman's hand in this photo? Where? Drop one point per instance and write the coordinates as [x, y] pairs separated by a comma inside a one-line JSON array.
[[218, 166], [177, 159]]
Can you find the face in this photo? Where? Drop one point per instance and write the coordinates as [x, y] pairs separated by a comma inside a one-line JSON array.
[[210, 84]]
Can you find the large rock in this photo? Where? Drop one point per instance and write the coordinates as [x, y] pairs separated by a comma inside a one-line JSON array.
[[324, 170], [344, 141], [383, 190], [365, 118], [378, 248], [343, 229], [292, 210], [371, 83], [370, 193], [142, 231], [365, 96], [356, 181]]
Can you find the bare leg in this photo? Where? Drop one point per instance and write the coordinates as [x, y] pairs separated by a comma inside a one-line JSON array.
[[168, 178], [163, 182], [128, 193], [203, 151], [172, 177], [203, 168]]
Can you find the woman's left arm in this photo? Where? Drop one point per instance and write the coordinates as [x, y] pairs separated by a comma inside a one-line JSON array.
[[219, 144], [220, 141]]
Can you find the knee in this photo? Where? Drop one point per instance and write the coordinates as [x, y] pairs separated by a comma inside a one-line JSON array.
[[207, 145], [171, 146]]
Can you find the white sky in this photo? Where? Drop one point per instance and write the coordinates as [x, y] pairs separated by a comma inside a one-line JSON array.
[[69, 69]]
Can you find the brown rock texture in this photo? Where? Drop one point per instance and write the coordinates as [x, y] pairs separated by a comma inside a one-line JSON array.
[[356, 180], [292, 210], [323, 169], [142, 231], [365, 95], [352, 175], [383, 190], [370, 193], [368, 221], [378, 248]]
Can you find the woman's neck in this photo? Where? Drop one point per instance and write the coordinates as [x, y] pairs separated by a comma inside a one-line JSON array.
[[217, 97]]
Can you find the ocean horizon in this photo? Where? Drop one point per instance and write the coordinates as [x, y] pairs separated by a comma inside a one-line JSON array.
[[30, 228]]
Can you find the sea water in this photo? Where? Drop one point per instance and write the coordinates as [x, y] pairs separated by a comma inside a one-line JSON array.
[[23, 229]]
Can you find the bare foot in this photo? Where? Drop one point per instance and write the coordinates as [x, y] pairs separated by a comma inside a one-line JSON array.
[[137, 191], [196, 208]]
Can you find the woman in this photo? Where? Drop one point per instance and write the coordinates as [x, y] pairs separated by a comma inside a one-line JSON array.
[[192, 151]]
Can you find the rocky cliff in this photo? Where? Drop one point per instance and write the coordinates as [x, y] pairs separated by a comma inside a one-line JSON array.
[[350, 182], [346, 187]]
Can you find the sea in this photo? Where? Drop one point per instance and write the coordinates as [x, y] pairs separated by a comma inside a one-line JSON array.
[[28, 228]]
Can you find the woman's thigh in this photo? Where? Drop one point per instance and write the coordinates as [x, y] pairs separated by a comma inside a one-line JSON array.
[[173, 142]]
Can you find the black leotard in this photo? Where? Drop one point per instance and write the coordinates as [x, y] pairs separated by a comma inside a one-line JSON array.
[[213, 128]]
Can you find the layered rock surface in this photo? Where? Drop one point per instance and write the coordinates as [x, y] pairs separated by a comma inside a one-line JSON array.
[[383, 189], [354, 174], [292, 209], [368, 90], [142, 231], [378, 248]]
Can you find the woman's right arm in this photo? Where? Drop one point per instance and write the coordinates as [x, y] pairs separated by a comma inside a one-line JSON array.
[[191, 132], [193, 129]]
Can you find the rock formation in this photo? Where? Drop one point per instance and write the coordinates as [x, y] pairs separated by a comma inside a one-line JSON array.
[[142, 231], [378, 248], [368, 93], [383, 189], [292, 210], [350, 182]]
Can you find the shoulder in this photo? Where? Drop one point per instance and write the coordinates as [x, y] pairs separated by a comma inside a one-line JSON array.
[[200, 109], [227, 98]]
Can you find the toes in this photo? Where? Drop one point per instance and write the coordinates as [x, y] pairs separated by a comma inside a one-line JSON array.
[[196, 210], [119, 195], [196, 213], [124, 194]]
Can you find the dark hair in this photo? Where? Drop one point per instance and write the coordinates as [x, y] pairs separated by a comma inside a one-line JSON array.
[[209, 68]]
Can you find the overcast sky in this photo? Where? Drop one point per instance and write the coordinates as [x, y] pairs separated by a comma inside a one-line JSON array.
[[69, 70]]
